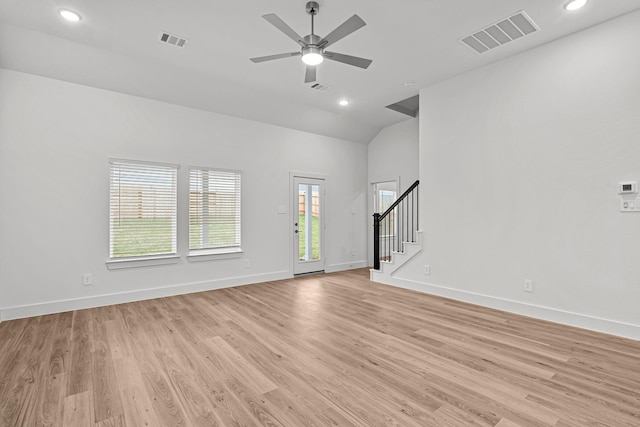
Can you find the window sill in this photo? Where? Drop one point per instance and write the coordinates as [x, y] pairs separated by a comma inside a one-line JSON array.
[[211, 255], [117, 264]]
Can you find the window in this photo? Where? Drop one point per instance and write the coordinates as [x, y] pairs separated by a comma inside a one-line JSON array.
[[384, 195], [214, 211], [386, 199], [142, 209]]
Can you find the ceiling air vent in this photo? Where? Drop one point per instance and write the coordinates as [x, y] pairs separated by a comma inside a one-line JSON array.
[[172, 39], [502, 32], [319, 87]]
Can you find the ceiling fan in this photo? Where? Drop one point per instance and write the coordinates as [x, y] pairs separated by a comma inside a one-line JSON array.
[[313, 46]]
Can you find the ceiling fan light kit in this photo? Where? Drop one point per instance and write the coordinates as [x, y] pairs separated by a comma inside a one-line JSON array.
[[312, 55], [313, 46]]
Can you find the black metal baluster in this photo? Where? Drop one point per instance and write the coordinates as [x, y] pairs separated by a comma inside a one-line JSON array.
[[401, 238], [413, 206], [389, 242], [376, 241], [407, 227]]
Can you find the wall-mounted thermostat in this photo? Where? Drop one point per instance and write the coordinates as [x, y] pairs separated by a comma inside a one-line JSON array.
[[630, 187]]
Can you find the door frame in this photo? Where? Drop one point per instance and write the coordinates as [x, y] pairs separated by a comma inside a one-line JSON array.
[[293, 200], [370, 209]]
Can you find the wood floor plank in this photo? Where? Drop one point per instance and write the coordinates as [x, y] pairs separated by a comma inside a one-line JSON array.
[[106, 394], [448, 415], [209, 372], [136, 403], [239, 366], [119, 342], [165, 403], [117, 421], [50, 379], [81, 346], [192, 397], [31, 391], [506, 423], [11, 333], [78, 410], [315, 351], [12, 357]]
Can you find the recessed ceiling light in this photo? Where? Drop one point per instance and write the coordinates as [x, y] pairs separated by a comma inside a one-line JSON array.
[[575, 4], [408, 83], [343, 102], [69, 15]]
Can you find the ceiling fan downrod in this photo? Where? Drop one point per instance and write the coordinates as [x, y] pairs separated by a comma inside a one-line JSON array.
[[312, 9], [312, 54]]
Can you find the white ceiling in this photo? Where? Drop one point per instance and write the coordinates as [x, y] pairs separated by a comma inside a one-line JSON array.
[[115, 46]]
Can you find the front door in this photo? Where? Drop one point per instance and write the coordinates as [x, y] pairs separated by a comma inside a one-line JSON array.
[[308, 225]]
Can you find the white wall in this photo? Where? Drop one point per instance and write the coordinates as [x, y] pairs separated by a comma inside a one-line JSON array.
[[55, 142], [519, 165], [392, 156]]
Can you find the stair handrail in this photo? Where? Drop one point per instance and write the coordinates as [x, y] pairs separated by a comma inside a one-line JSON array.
[[399, 200]]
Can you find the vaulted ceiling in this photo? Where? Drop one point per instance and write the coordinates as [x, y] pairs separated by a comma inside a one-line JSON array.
[[413, 43]]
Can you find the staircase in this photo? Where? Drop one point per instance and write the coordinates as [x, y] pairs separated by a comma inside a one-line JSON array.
[[396, 235]]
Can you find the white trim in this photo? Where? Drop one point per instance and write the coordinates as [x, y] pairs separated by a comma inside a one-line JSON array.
[[371, 197], [333, 268], [301, 174], [293, 208], [40, 309], [113, 160], [212, 255], [214, 169], [117, 264], [579, 320]]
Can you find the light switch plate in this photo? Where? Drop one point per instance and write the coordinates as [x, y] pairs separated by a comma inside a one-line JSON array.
[[629, 205]]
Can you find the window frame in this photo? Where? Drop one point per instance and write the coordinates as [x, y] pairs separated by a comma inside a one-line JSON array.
[[144, 259], [211, 253]]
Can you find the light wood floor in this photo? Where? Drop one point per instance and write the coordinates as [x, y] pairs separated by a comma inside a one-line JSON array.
[[330, 350]]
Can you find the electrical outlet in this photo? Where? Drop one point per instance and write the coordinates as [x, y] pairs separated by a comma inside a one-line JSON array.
[[528, 285], [87, 279], [247, 264], [427, 269], [353, 252]]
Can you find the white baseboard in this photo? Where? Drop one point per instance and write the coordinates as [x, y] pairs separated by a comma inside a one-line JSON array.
[[346, 266], [40, 309], [579, 320]]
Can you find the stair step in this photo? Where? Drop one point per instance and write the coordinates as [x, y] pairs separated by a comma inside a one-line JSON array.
[[397, 258]]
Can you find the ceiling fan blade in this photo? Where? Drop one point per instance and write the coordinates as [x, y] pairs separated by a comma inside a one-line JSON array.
[[282, 26], [347, 27], [272, 57], [348, 59], [310, 74]]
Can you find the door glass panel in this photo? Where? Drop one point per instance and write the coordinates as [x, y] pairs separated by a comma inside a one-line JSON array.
[[309, 222], [384, 195]]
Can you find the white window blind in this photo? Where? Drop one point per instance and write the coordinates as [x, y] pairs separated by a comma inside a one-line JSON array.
[[214, 210], [142, 209]]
